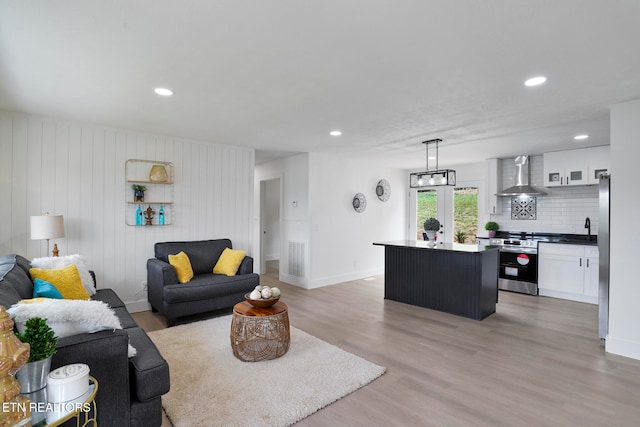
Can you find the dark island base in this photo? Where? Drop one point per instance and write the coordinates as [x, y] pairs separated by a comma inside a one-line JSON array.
[[461, 283]]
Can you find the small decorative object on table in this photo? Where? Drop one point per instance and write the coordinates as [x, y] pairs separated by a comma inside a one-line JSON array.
[[431, 226], [67, 382], [42, 341], [138, 192], [492, 227], [263, 296]]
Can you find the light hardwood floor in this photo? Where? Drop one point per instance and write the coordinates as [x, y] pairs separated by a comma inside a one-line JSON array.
[[536, 362]]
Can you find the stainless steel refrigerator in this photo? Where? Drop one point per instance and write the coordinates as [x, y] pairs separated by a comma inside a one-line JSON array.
[[604, 250]]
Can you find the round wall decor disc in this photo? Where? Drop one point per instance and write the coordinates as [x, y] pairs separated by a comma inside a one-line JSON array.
[[359, 203]]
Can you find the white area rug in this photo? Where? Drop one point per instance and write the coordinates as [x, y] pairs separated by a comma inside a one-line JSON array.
[[210, 387]]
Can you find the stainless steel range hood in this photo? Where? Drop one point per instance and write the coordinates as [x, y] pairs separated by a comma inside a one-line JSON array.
[[522, 187]]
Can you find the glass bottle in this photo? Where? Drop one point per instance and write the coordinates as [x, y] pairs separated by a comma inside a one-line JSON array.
[[139, 216], [161, 215]]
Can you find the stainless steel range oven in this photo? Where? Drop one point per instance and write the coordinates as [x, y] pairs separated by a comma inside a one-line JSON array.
[[518, 263]]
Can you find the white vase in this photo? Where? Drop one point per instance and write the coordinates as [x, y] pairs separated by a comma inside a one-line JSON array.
[[431, 235]]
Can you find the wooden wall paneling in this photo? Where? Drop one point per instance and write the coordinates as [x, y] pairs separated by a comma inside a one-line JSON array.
[[204, 226], [19, 175], [112, 210], [6, 172], [34, 178], [61, 179], [178, 194], [246, 201], [78, 170], [210, 198], [217, 190], [71, 244], [122, 231], [132, 233], [99, 200], [85, 189], [225, 190]]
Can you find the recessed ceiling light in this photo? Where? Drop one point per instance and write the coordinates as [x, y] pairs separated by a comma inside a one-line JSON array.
[[335, 133], [432, 157], [580, 137], [163, 91], [535, 81]]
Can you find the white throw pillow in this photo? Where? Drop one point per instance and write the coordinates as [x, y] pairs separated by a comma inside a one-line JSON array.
[[51, 263], [67, 317]]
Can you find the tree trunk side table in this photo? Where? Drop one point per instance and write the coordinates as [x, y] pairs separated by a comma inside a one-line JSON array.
[[259, 333]]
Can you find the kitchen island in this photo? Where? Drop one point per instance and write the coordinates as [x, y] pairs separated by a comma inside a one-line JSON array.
[[454, 278]]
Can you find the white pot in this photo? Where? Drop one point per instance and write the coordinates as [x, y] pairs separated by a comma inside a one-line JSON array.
[[68, 382]]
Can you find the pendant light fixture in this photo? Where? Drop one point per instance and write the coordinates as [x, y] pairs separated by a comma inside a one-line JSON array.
[[432, 178]]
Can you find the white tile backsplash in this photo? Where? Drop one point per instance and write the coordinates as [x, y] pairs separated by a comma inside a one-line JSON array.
[[561, 210]]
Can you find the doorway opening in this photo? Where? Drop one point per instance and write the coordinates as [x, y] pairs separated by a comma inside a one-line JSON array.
[[270, 226]]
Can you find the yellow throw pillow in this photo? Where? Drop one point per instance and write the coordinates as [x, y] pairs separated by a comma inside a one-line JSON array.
[[182, 264], [229, 262], [66, 280]]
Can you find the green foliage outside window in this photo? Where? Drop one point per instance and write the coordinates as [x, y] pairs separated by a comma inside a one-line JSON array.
[[465, 214], [427, 208]]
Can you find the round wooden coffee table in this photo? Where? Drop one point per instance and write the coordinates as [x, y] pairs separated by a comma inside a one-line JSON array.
[[259, 333]]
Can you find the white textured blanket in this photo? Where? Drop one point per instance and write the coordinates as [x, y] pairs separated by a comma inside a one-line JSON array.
[[67, 317]]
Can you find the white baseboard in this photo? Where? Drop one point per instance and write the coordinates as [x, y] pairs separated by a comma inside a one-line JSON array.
[[567, 295], [622, 347], [137, 306], [340, 278], [293, 280]]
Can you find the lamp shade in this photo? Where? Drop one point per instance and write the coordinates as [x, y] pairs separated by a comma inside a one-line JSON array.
[[47, 227]]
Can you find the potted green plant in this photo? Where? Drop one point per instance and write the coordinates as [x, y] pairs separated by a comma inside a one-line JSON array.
[[460, 236], [42, 342], [492, 227], [138, 192], [431, 226]]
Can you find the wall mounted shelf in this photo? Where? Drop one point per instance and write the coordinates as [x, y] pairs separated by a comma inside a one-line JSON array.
[[157, 196]]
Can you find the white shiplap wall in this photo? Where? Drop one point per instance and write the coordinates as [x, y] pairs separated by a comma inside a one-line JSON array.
[[78, 170]]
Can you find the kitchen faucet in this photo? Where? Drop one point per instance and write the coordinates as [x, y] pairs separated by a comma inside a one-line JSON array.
[[587, 225]]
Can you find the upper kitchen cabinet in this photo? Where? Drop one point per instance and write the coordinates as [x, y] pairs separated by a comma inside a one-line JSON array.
[[599, 163], [493, 179], [575, 167]]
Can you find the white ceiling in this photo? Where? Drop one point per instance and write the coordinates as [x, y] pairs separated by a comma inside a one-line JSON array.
[[278, 75]]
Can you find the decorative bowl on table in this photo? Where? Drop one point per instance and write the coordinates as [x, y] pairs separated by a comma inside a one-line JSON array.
[[262, 303]]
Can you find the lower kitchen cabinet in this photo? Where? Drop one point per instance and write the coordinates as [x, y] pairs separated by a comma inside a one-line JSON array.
[[568, 271]]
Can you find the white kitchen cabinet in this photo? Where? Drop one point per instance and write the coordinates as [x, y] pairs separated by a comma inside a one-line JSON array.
[[592, 271], [575, 167], [493, 179], [565, 168], [568, 271], [599, 163]]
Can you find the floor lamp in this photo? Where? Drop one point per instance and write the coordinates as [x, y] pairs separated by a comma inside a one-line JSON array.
[[47, 227]]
